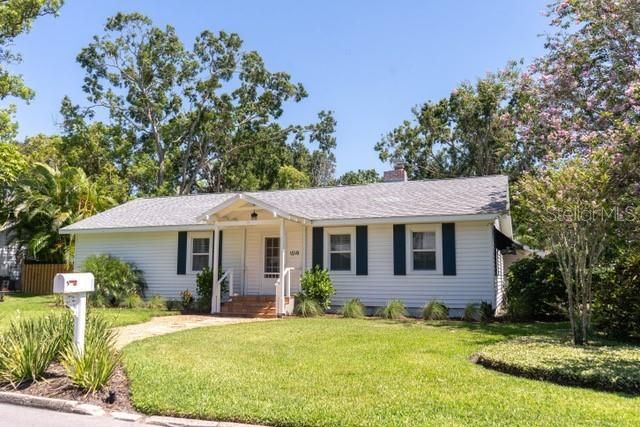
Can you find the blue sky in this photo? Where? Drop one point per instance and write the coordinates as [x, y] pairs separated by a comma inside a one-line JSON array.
[[368, 61]]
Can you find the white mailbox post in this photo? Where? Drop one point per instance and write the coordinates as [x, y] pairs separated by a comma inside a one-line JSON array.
[[74, 287]]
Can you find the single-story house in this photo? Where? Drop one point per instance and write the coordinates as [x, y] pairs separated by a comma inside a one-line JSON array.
[[408, 240], [9, 262]]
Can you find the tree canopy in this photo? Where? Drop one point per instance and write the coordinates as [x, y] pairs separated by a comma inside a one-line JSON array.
[[469, 133], [16, 17], [201, 119]]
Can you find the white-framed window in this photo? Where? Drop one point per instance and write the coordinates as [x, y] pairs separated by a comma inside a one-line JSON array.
[[271, 257], [424, 248], [199, 251], [340, 249]]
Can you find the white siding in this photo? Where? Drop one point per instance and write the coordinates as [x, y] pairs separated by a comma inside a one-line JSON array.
[[155, 253], [473, 282]]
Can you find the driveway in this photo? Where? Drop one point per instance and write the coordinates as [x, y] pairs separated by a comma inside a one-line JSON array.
[[168, 324]]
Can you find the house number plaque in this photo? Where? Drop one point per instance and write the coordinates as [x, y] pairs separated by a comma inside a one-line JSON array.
[[294, 252]]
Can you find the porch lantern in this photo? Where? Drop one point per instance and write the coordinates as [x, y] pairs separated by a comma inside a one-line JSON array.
[[254, 216]]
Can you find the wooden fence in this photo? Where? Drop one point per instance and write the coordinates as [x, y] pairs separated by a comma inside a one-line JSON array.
[[38, 278]]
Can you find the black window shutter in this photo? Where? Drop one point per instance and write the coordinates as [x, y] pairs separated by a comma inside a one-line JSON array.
[[362, 249], [399, 250], [317, 246], [182, 252], [449, 249], [213, 239]]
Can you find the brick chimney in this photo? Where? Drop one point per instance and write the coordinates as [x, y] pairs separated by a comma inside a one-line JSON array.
[[398, 174]]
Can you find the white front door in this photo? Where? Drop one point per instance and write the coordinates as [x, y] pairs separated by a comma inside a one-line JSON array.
[[270, 264]]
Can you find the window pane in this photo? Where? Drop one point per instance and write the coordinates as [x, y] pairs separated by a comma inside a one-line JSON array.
[[201, 246], [424, 260], [340, 242], [272, 255], [424, 240], [199, 262], [341, 262]]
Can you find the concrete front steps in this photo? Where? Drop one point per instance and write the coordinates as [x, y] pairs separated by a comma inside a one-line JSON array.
[[251, 306]]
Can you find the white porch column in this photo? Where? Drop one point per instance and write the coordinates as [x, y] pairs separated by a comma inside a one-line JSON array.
[[215, 295], [283, 253]]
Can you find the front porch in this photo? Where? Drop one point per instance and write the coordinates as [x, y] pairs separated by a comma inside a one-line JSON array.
[[259, 255]]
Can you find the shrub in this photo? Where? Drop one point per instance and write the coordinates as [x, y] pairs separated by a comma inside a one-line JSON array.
[[307, 307], [92, 370], [486, 312], [204, 288], [156, 302], [535, 289], [114, 280], [316, 284], [616, 301], [395, 310], [186, 298], [352, 308], [471, 312], [132, 301], [435, 310], [31, 344]]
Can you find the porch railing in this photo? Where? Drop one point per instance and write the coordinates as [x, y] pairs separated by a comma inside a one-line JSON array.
[[217, 290], [283, 289]]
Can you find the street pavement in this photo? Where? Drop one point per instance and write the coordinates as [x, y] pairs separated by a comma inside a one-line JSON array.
[[24, 416]]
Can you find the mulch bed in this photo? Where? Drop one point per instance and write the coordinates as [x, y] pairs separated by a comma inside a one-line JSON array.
[[113, 397]]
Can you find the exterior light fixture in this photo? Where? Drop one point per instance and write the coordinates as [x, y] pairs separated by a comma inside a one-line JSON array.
[[254, 216]]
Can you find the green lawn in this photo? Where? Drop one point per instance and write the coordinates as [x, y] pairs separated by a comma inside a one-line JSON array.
[[32, 305], [334, 372]]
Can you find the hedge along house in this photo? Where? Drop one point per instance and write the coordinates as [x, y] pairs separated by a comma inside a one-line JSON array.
[[408, 240]]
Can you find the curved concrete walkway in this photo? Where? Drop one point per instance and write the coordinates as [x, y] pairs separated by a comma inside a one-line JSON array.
[[168, 324]]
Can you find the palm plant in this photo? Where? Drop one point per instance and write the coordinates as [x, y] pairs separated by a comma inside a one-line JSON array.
[[46, 199]]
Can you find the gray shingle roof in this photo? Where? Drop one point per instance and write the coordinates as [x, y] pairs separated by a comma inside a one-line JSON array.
[[461, 196]]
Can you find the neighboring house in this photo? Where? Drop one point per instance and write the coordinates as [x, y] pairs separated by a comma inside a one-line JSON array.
[[408, 240], [9, 263]]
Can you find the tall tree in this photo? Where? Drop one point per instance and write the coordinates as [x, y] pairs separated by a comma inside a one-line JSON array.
[[360, 176], [469, 133], [194, 114], [16, 17]]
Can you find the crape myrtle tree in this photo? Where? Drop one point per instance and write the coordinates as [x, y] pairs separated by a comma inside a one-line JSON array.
[[205, 118], [584, 93], [469, 133], [568, 210]]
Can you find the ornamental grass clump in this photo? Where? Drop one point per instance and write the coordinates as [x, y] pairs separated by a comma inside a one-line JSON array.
[[307, 307], [352, 308], [31, 344], [92, 370], [435, 310], [471, 313], [394, 310]]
